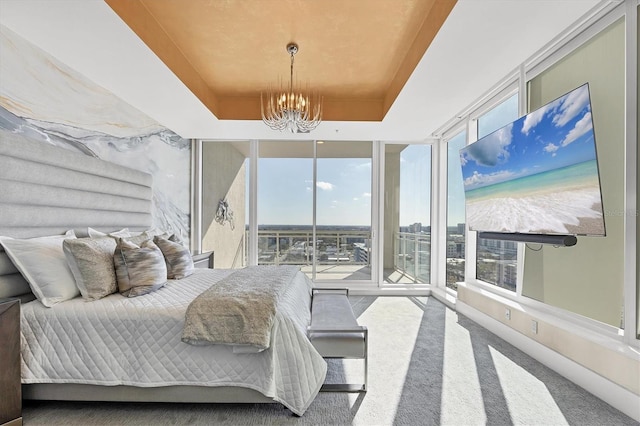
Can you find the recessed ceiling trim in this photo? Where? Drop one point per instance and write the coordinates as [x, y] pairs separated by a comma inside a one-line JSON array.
[[432, 23], [143, 23], [248, 108], [413, 37]]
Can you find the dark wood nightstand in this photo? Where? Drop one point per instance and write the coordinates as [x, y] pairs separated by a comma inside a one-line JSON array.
[[203, 260], [10, 387]]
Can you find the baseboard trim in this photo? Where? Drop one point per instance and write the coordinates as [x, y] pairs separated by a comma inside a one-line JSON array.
[[444, 297], [14, 422], [357, 290], [611, 393]]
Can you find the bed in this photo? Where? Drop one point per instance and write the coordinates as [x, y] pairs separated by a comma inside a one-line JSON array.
[[121, 348]]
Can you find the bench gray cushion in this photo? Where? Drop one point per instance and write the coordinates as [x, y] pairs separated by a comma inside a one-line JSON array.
[[333, 311]]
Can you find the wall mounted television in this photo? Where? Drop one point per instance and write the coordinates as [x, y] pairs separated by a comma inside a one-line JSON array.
[[537, 178]]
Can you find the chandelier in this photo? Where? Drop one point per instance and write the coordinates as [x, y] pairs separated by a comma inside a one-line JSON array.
[[290, 109]]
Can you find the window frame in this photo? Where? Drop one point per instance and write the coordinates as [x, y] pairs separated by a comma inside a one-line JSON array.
[[468, 121], [460, 128]]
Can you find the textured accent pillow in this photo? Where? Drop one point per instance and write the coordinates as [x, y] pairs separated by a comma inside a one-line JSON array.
[[42, 263], [139, 270], [91, 263], [177, 257]]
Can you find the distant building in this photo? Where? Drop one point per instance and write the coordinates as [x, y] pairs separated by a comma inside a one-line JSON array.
[[506, 275], [415, 228], [361, 253], [455, 249]]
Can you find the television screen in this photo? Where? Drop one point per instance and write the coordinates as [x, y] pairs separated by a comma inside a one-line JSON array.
[[537, 175]]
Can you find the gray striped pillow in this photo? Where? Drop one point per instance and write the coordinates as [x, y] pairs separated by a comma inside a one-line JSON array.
[[177, 257], [139, 270]]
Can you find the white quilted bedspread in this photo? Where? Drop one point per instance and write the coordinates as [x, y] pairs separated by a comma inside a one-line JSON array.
[[136, 342]]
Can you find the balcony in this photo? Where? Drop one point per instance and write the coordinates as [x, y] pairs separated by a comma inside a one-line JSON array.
[[341, 254], [345, 254], [412, 257]]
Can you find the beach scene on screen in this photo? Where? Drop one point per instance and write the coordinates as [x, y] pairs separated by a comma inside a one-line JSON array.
[[538, 174]]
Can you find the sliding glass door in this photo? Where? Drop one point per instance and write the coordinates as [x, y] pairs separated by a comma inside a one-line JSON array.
[[343, 210], [314, 208], [285, 204]]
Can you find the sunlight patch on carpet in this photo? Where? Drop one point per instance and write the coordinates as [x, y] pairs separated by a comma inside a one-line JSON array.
[[398, 320], [460, 373], [528, 399]]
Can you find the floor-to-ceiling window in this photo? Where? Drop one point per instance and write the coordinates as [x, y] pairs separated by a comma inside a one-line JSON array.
[[407, 213], [314, 207], [456, 252], [285, 203], [497, 259], [343, 210]]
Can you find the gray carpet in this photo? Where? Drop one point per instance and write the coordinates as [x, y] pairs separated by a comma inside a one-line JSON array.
[[428, 366]]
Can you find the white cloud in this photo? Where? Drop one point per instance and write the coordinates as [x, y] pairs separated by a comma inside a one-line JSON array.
[[551, 148], [366, 195], [492, 149], [582, 126], [575, 102], [479, 179], [533, 118], [325, 186], [355, 198]]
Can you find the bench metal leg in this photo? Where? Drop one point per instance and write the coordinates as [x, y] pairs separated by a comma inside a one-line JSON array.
[[342, 387], [350, 387]]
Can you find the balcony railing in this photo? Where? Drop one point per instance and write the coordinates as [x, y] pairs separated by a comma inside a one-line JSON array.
[[295, 247], [412, 255], [412, 251]]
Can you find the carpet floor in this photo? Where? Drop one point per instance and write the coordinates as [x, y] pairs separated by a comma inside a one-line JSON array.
[[428, 365]]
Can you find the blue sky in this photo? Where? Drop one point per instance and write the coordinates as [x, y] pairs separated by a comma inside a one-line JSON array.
[[554, 136], [285, 190]]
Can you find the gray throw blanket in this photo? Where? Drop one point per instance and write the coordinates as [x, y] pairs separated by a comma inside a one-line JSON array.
[[239, 309]]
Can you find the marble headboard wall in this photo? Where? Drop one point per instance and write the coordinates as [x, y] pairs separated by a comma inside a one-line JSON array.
[[46, 100]]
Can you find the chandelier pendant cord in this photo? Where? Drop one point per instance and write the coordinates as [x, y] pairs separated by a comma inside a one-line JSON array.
[[291, 78]]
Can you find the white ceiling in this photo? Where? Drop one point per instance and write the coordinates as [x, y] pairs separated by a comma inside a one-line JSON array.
[[481, 42]]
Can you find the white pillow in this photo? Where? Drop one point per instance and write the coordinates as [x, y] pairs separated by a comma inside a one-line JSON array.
[[94, 233], [42, 263]]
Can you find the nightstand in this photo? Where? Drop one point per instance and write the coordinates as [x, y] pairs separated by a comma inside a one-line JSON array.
[[203, 260], [10, 386]]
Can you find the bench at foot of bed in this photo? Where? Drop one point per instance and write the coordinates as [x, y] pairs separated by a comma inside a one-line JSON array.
[[335, 333]]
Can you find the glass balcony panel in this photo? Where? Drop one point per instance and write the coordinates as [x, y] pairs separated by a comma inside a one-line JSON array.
[[407, 222]]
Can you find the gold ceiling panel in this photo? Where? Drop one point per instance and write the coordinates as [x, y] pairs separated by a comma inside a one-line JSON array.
[[357, 53]]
